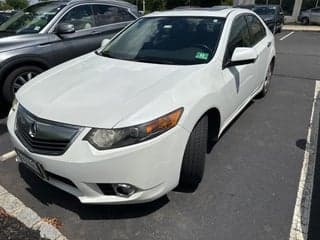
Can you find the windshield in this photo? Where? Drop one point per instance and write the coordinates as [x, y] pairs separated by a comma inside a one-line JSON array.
[[168, 40], [264, 10], [33, 19]]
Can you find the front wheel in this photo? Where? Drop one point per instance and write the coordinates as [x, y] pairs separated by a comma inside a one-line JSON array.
[[194, 156], [16, 79]]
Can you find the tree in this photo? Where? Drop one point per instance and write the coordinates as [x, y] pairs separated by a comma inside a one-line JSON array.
[[156, 5], [18, 4], [4, 6]]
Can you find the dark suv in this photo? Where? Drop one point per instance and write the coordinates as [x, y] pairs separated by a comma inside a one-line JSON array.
[[49, 33], [272, 15]]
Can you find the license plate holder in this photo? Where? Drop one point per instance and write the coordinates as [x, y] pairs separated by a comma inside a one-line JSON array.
[[33, 165]]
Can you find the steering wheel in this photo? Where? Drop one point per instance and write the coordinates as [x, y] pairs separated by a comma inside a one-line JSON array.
[[203, 47]]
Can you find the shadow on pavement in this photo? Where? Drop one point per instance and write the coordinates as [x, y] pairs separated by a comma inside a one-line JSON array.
[[314, 222], [4, 110], [3, 128], [48, 194]]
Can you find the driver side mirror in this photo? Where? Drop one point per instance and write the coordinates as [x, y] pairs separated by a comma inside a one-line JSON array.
[[104, 43], [242, 56], [65, 28]]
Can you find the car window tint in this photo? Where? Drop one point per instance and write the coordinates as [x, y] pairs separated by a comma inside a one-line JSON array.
[[239, 36], [257, 30], [316, 10], [81, 17], [105, 15]]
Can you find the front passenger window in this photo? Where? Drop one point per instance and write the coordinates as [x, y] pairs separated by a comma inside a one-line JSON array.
[[239, 37], [81, 17]]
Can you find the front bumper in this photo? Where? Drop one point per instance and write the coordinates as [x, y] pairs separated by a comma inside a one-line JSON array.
[[153, 167]]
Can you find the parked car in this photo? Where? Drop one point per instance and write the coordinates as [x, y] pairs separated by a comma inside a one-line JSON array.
[[49, 33], [131, 121], [310, 16], [5, 15], [272, 15]]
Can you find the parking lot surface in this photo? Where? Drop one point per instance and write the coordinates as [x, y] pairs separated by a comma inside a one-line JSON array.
[[251, 178]]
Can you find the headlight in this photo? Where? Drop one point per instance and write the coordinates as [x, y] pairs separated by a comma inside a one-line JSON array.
[[15, 104], [104, 139]]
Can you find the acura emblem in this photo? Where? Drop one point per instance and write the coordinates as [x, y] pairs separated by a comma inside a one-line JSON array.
[[33, 130]]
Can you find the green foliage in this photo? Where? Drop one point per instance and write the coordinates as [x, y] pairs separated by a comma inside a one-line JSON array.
[[154, 5], [227, 2], [5, 6], [17, 4]]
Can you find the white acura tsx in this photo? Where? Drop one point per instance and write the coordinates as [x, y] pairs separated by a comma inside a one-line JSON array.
[[133, 120]]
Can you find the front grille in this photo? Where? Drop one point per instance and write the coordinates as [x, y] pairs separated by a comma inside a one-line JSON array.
[[43, 136]]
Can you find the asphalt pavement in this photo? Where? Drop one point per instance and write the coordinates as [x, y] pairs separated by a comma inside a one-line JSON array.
[[251, 178]]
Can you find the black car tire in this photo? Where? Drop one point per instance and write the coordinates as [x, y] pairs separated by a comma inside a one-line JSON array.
[[267, 81], [279, 30], [8, 91], [194, 156], [305, 21]]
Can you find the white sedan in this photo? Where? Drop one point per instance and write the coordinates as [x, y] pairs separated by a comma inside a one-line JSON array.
[[133, 120]]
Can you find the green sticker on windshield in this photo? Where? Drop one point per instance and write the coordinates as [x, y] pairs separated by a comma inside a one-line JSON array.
[[202, 55]]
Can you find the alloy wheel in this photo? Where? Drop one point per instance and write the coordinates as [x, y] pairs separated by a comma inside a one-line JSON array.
[[22, 79]]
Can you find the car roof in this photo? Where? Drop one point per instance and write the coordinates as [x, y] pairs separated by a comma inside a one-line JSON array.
[[115, 2], [198, 12], [266, 5]]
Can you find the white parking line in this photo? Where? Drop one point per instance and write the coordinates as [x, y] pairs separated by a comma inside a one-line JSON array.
[[300, 221], [7, 156], [286, 36]]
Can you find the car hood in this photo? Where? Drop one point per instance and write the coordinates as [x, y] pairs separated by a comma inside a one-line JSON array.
[[10, 41], [95, 91]]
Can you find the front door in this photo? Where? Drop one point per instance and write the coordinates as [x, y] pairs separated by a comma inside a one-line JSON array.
[[238, 79]]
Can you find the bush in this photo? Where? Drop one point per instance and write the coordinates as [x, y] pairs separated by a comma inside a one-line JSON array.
[[18, 4], [4, 6]]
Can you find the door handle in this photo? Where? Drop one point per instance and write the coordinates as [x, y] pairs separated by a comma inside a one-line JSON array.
[[94, 32], [269, 44]]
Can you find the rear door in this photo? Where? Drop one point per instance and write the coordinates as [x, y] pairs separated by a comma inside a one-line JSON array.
[[315, 15], [262, 45]]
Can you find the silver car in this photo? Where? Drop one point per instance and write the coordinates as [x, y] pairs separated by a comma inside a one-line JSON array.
[[310, 16]]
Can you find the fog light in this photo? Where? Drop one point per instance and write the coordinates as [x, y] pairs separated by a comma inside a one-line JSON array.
[[124, 190]]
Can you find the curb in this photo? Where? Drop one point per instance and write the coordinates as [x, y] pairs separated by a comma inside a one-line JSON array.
[[301, 28], [301, 216], [27, 216]]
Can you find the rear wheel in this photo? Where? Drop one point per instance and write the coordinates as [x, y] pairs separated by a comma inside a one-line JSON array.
[[16, 79], [267, 82], [305, 21], [194, 156]]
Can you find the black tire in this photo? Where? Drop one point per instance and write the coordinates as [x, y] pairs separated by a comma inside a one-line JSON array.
[[279, 30], [193, 163], [305, 21], [267, 81], [9, 87]]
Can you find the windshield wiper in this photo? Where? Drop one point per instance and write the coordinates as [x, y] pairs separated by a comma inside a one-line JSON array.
[[148, 60]]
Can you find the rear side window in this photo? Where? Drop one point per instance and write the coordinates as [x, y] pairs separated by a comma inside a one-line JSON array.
[[105, 14], [257, 30], [239, 37], [81, 17]]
